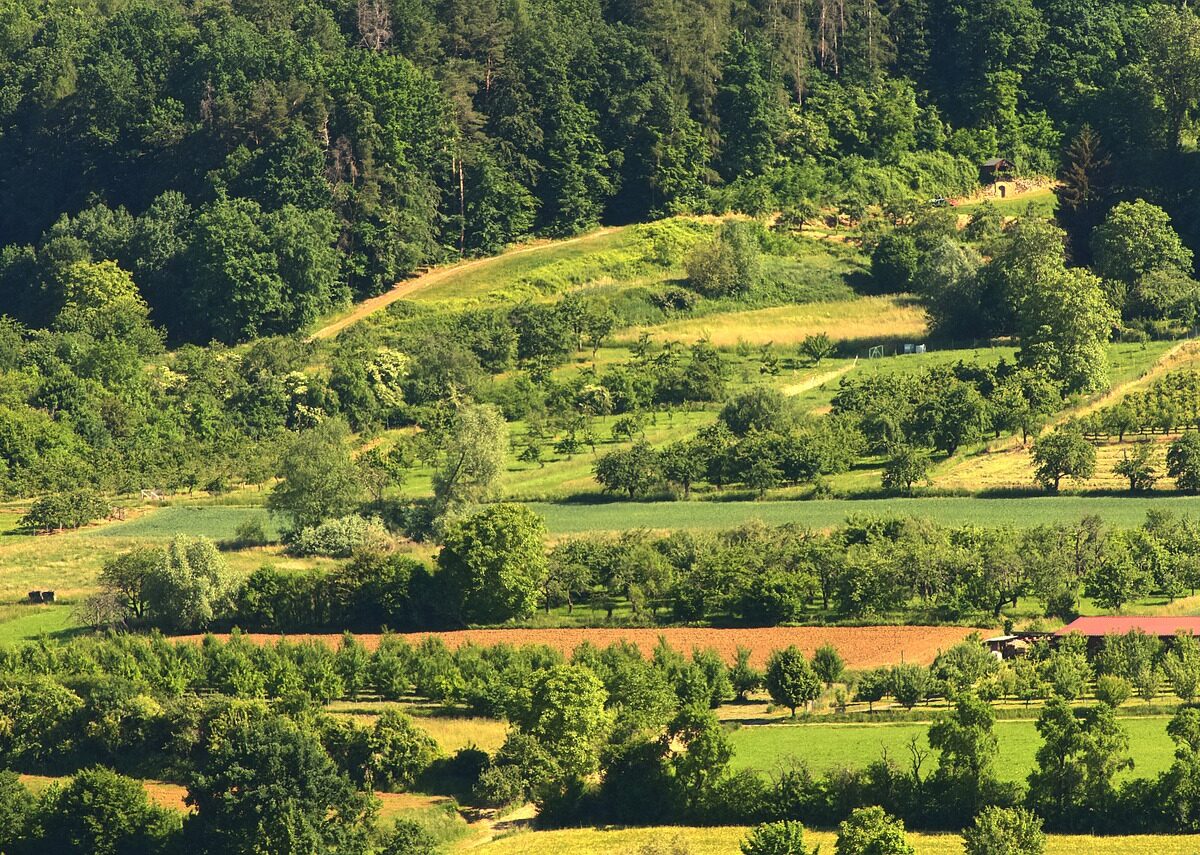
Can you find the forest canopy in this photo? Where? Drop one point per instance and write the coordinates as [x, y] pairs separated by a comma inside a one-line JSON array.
[[256, 165]]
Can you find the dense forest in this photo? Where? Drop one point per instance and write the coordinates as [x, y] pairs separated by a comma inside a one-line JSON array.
[[253, 165], [211, 174]]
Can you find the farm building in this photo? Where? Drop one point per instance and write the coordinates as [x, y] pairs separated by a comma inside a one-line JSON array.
[[1014, 645], [1094, 629], [993, 174]]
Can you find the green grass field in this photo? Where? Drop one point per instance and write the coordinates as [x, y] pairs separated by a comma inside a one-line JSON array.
[[599, 258], [22, 623], [218, 522], [1043, 202], [725, 841], [825, 746], [567, 518]]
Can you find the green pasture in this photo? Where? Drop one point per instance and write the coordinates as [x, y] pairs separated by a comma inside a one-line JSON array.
[[1042, 202], [25, 622], [568, 518], [217, 522], [826, 746], [620, 255]]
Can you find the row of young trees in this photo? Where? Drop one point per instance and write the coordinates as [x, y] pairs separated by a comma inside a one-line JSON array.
[[591, 739], [872, 567], [1068, 452], [494, 567]]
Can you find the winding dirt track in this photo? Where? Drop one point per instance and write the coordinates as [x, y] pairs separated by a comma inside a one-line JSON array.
[[409, 286], [860, 646]]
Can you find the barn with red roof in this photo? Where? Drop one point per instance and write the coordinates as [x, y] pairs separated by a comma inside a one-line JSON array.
[[1095, 628]]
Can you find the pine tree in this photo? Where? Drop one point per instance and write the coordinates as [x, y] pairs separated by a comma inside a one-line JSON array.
[[1083, 192]]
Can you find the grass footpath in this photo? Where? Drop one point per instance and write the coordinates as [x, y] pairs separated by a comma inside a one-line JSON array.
[[826, 746], [825, 513]]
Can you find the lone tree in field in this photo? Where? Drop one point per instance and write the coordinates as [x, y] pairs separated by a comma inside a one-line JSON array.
[[730, 264], [1137, 468], [1136, 239], [743, 676], [871, 831], [828, 664], [566, 714], [319, 479], [125, 576], [790, 680], [1183, 462], [630, 470], [910, 684], [817, 347], [1005, 831], [472, 458], [907, 465], [872, 687], [967, 744], [493, 564], [190, 586], [1064, 452]]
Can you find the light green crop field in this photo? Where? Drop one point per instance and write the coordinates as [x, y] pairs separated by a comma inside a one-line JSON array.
[[568, 518], [1043, 203], [825, 746], [217, 522], [725, 841], [23, 622]]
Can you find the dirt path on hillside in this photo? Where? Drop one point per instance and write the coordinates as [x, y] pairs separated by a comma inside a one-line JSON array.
[[439, 274], [491, 824], [954, 471], [816, 381], [1187, 349]]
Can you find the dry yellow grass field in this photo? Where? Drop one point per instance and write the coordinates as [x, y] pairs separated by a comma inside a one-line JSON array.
[[725, 841], [450, 732], [891, 317], [1012, 466], [1008, 463]]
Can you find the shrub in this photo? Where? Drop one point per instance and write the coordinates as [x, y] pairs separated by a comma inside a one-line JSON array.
[[408, 837], [252, 532], [400, 751], [1113, 690], [731, 264], [1005, 831], [341, 538], [871, 831], [775, 838], [894, 263], [65, 510]]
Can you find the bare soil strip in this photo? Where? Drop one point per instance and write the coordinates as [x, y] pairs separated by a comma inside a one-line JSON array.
[[860, 646]]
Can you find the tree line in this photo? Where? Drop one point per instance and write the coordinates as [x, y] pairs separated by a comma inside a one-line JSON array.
[[494, 567]]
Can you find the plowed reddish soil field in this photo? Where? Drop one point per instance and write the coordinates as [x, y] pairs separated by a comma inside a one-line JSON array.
[[860, 646]]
